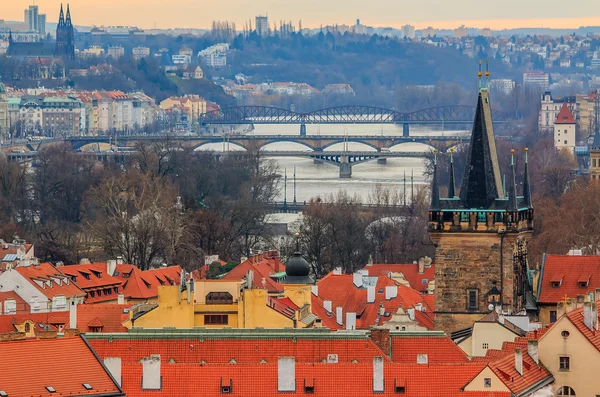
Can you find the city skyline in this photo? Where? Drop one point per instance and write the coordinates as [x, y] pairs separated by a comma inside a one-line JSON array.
[[188, 14]]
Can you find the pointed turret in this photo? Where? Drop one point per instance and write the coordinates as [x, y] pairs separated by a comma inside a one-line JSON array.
[[526, 186], [451, 185], [481, 184], [513, 206], [435, 189], [68, 19], [61, 17]]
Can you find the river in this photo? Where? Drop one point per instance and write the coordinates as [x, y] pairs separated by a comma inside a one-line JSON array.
[[319, 180]]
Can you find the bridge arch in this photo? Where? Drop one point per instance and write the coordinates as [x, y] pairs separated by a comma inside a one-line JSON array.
[[217, 146], [427, 146], [361, 141], [295, 142]]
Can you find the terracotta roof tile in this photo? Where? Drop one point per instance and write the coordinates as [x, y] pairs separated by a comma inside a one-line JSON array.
[[567, 271], [263, 265], [111, 316], [410, 271], [439, 349], [54, 282], [576, 317], [564, 116], [55, 361]]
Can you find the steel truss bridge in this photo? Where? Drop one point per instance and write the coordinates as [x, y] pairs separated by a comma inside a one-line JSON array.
[[345, 115]]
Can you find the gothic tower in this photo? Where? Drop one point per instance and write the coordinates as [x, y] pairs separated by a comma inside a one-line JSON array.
[[65, 35], [481, 236]]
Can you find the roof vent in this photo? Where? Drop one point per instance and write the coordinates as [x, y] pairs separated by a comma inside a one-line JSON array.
[[50, 389], [87, 386], [3, 393]]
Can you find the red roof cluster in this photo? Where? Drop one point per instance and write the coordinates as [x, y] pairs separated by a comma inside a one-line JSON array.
[[341, 290], [264, 266], [102, 317], [49, 280], [51, 367], [93, 279], [438, 349], [568, 275], [417, 280]]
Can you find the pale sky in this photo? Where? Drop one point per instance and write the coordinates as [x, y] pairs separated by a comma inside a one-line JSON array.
[[313, 13]]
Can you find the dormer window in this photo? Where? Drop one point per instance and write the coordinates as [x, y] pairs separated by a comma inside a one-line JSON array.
[[584, 280], [556, 280], [556, 284], [583, 284]]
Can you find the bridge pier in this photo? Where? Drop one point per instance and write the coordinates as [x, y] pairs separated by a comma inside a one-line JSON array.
[[406, 130], [345, 170], [302, 129], [382, 160]]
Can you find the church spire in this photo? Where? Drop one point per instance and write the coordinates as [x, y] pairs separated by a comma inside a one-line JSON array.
[[526, 187], [61, 18], [435, 189], [68, 20], [451, 185], [512, 196], [481, 183]]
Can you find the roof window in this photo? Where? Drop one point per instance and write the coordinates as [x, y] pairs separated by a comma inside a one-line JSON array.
[[3, 393], [87, 386], [50, 389]]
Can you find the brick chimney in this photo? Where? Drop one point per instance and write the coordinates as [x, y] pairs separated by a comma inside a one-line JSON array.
[[590, 316], [381, 337]]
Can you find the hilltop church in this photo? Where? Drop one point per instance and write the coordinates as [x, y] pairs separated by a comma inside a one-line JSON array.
[[481, 234], [64, 47]]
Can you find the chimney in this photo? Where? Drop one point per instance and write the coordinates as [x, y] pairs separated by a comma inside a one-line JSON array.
[[560, 310], [381, 337], [381, 309], [121, 299], [113, 365], [337, 271], [327, 306], [411, 314], [419, 307], [532, 349], [338, 315], [350, 321], [519, 361], [151, 379], [286, 374], [357, 279], [391, 291], [371, 294], [315, 290], [370, 262], [250, 279], [377, 374], [570, 305], [421, 265], [580, 300], [119, 260], [111, 267], [590, 315], [72, 313]]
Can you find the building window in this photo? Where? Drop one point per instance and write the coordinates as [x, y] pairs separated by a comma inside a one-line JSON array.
[[565, 391], [556, 284], [564, 363], [27, 327], [565, 334], [552, 316], [487, 382], [485, 346], [422, 359], [223, 298], [472, 300], [221, 319]]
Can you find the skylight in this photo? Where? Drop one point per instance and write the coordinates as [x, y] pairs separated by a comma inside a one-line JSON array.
[[50, 389], [87, 386]]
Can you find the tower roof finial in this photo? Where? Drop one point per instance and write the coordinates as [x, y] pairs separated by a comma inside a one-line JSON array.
[[452, 183], [479, 74], [512, 204]]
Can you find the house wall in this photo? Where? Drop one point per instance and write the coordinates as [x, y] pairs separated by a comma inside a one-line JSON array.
[[300, 294], [11, 280], [467, 346], [478, 384], [584, 359], [173, 311], [493, 334]]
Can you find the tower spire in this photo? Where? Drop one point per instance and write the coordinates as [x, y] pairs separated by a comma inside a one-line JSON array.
[[451, 190], [526, 186], [512, 197], [61, 17], [479, 74], [487, 74], [481, 183], [435, 189]]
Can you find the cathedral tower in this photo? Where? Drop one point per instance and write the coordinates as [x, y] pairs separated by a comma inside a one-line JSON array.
[[65, 35], [481, 236]]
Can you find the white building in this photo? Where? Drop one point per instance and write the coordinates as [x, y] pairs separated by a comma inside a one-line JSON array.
[[503, 85], [262, 25], [214, 56], [564, 130], [540, 80], [181, 59], [408, 31], [116, 52], [140, 52], [550, 107]]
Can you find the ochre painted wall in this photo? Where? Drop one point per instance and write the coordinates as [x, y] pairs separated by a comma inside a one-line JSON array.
[[478, 383]]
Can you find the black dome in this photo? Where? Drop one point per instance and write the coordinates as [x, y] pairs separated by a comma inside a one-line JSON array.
[[297, 270]]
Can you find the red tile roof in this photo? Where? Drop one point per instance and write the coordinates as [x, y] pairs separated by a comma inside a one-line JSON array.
[[569, 269], [564, 116], [56, 321], [93, 278], [263, 265], [109, 317], [54, 282], [409, 270], [341, 291], [22, 306], [576, 317], [440, 349], [64, 364]]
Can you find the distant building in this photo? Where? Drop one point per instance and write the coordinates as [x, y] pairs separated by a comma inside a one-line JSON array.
[[461, 32], [503, 85], [193, 73], [181, 59], [338, 89], [214, 56], [429, 32], [116, 52], [185, 50], [140, 52], [34, 21], [65, 35], [4, 117], [93, 51], [539, 80], [550, 108], [262, 25], [564, 129], [485, 32], [51, 116], [408, 31]]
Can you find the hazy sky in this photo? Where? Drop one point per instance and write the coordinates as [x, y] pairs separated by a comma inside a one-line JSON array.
[[313, 13]]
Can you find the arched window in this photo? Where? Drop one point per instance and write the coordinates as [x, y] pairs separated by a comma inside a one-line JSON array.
[[565, 391], [219, 298], [27, 327]]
